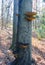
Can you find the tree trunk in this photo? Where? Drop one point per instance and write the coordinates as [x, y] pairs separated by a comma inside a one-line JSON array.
[[15, 23], [24, 34], [2, 16]]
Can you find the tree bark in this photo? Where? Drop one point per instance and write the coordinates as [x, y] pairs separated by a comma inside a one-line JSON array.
[[2, 16], [15, 23], [24, 35]]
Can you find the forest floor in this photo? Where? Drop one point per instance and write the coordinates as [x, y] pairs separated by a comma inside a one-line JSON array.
[[6, 56], [38, 50]]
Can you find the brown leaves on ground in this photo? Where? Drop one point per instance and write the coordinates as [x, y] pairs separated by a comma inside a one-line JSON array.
[[6, 56], [38, 50]]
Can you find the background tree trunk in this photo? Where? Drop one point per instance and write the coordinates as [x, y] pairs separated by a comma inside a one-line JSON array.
[[2, 16], [15, 23]]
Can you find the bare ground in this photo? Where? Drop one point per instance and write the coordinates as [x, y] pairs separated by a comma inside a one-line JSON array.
[[6, 56]]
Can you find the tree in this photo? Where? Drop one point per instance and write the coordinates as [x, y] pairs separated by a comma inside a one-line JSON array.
[[15, 23], [7, 10], [23, 33], [2, 15], [41, 30]]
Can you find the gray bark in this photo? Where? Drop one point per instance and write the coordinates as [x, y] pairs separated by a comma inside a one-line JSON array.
[[2, 15], [24, 34], [15, 23]]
